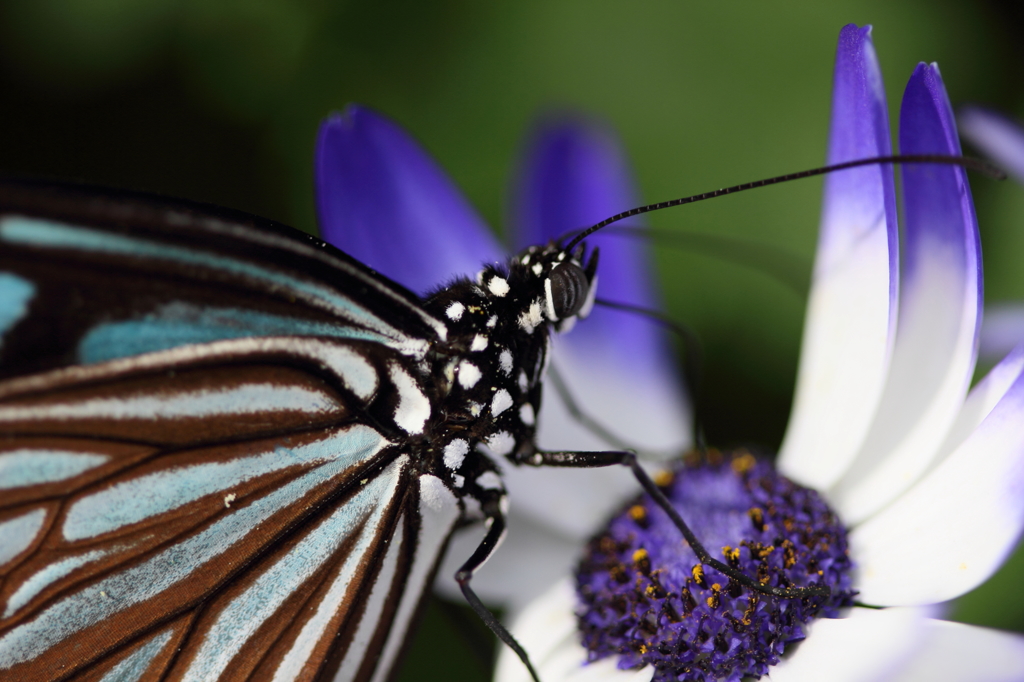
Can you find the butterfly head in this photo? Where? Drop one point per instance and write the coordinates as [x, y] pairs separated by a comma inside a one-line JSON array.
[[551, 286], [491, 366]]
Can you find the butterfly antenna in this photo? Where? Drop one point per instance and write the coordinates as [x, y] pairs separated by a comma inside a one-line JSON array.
[[979, 165], [693, 356]]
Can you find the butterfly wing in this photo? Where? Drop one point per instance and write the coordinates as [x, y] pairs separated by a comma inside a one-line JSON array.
[[100, 276], [241, 508]]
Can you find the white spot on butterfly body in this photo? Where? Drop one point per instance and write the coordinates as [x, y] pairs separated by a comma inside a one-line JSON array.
[[531, 318], [229, 499], [458, 480], [489, 481], [501, 443], [493, 320], [524, 383], [501, 402], [434, 493], [455, 453], [469, 374], [526, 414], [413, 408], [455, 311], [505, 361], [537, 269], [479, 343], [498, 286]]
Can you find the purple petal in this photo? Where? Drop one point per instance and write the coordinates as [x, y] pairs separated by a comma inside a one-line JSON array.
[[617, 365], [1001, 330], [998, 137], [851, 310], [382, 199], [940, 309]]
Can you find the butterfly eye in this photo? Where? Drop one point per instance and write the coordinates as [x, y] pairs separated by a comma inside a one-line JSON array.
[[567, 291]]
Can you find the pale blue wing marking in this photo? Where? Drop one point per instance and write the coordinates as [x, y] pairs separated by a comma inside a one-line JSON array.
[[139, 498], [227, 402], [137, 663], [179, 324], [240, 620], [356, 651], [17, 534], [46, 233], [439, 511], [53, 572], [104, 599], [15, 295], [29, 466]]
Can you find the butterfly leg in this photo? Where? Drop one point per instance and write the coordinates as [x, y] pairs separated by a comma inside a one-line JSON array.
[[495, 533], [629, 459]]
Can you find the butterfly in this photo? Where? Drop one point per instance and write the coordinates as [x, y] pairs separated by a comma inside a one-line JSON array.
[[231, 451]]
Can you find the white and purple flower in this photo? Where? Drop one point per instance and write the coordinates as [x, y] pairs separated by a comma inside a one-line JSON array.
[[928, 477]]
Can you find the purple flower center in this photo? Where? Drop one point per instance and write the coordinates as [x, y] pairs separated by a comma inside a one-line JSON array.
[[645, 598]]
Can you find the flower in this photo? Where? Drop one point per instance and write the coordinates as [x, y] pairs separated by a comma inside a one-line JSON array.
[[928, 477], [382, 199]]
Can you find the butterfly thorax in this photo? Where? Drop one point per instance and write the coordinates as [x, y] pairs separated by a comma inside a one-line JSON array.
[[489, 371]]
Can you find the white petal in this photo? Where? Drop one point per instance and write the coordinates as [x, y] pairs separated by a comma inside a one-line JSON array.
[[531, 558], [636, 399], [955, 652], [851, 317], [573, 502], [647, 414], [930, 373], [547, 631], [867, 645], [843, 360], [954, 528]]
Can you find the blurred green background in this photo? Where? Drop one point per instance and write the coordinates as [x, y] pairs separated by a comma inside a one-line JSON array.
[[219, 101]]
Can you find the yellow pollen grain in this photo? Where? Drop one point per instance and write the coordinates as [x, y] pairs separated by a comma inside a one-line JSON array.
[[730, 553], [743, 463], [639, 555], [637, 512], [716, 587], [663, 478], [698, 573]]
